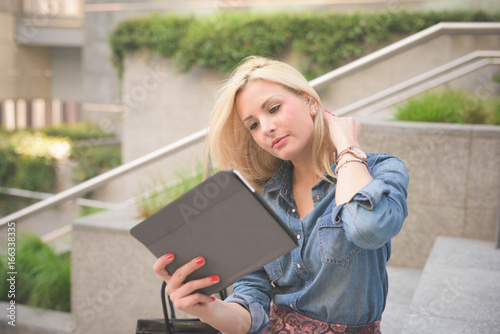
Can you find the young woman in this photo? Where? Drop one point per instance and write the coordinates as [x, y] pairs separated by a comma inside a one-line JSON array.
[[343, 205]]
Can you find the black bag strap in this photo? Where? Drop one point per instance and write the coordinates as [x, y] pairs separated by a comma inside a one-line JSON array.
[[168, 327], [172, 308]]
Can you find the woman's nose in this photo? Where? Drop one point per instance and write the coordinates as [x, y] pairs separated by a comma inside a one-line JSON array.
[[268, 126]]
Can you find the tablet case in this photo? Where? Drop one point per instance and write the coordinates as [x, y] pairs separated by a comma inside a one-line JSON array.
[[222, 219]]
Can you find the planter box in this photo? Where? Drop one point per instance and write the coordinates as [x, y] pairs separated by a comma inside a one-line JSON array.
[[113, 282]]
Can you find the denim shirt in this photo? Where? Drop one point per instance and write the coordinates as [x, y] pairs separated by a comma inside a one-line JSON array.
[[338, 272]]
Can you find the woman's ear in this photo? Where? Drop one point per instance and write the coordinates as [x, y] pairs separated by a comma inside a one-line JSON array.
[[312, 105]]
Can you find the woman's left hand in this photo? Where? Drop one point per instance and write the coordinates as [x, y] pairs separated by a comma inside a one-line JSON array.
[[344, 131]]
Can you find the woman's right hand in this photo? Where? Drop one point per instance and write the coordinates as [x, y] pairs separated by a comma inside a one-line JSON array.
[[182, 294]]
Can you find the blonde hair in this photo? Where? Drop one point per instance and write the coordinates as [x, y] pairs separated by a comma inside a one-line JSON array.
[[230, 145]]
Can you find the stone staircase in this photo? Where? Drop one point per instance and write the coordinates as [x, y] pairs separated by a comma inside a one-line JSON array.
[[402, 285], [458, 291]]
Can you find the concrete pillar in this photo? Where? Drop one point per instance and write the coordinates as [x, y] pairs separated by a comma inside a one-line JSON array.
[[22, 114], [9, 115]]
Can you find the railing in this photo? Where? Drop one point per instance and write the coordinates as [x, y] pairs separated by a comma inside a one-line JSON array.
[[41, 195], [106, 177], [403, 45], [425, 81], [319, 82]]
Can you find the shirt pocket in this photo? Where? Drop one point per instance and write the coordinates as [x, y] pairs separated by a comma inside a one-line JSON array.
[[274, 270], [335, 248]]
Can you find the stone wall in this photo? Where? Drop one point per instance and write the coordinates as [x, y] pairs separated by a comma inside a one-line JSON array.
[[163, 105], [454, 182], [24, 69]]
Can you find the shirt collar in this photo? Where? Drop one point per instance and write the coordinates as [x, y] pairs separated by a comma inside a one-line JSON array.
[[282, 180]]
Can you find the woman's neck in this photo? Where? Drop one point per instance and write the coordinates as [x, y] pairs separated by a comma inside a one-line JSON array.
[[303, 172]]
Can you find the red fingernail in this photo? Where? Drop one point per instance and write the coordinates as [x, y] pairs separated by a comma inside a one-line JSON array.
[[199, 260], [214, 278], [329, 112], [213, 298], [169, 256]]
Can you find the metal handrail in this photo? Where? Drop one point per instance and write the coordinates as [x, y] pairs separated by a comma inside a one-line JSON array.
[[453, 69], [106, 177], [322, 81], [405, 44], [42, 195], [431, 84]]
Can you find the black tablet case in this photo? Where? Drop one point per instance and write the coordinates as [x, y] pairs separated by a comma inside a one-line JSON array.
[[222, 219]]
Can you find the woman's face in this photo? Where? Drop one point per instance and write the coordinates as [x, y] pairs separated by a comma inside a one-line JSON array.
[[278, 120]]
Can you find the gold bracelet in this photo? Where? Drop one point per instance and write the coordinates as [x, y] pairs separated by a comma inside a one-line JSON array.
[[343, 164]]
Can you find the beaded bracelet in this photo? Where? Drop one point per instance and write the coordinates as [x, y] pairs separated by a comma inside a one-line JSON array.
[[343, 164]]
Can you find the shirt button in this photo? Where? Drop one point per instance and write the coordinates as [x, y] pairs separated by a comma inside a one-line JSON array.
[[306, 287], [318, 197], [298, 236], [291, 305], [293, 210], [298, 265]]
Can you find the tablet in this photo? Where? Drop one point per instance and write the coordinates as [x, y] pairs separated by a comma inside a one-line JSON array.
[[222, 219]]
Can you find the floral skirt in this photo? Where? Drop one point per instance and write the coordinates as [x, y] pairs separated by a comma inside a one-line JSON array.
[[285, 321]]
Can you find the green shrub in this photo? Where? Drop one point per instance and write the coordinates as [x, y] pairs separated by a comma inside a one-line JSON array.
[[7, 164], [89, 210], [494, 106], [321, 41], [43, 278], [33, 173], [161, 194], [448, 107], [158, 33], [76, 131], [28, 158], [91, 160], [26, 162], [221, 41], [14, 176]]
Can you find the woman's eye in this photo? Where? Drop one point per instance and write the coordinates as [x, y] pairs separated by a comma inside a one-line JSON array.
[[274, 109], [253, 125]]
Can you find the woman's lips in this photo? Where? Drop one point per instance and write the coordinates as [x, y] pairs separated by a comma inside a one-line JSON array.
[[279, 141]]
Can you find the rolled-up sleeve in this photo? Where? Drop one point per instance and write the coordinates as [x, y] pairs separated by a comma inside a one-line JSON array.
[[253, 292], [376, 213]]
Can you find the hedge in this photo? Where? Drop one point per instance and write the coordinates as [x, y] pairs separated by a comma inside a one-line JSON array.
[[323, 41]]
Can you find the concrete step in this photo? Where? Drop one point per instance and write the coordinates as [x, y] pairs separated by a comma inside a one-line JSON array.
[[29, 320], [402, 285], [459, 290]]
